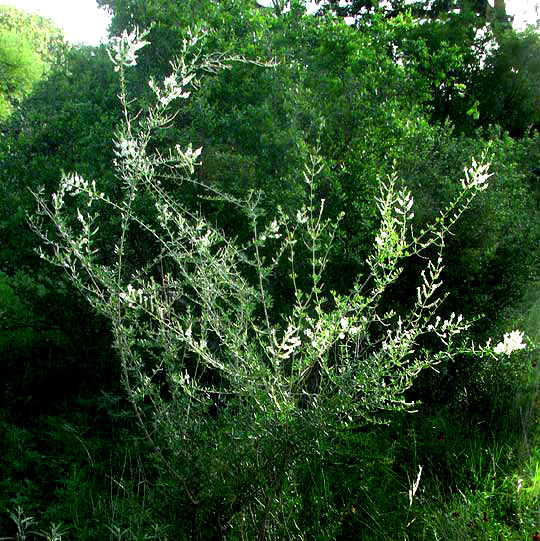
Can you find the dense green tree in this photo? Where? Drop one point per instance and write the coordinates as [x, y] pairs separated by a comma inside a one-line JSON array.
[[63, 126], [29, 46], [45, 38], [333, 86], [20, 69], [506, 89]]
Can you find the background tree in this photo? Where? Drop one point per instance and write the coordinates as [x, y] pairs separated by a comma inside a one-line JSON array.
[[45, 38], [506, 89], [64, 126], [20, 68], [29, 46]]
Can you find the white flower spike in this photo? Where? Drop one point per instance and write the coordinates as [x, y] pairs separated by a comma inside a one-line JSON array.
[[512, 341], [123, 49]]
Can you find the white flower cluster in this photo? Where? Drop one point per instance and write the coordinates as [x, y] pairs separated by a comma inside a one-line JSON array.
[[75, 183], [127, 148], [123, 49], [322, 332], [476, 176], [204, 241], [301, 215], [271, 232], [405, 202], [172, 88], [187, 158], [390, 238], [347, 328], [380, 239], [289, 344], [133, 296], [400, 340], [188, 154], [453, 325], [512, 341]]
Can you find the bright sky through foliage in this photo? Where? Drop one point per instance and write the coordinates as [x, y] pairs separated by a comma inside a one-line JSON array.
[[524, 11], [84, 22], [81, 20]]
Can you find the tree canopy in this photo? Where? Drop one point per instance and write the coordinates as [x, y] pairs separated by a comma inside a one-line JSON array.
[[20, 68], [45, 38], [29, 46]]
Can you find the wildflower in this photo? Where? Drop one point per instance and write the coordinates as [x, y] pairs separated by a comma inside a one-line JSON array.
[[344, 324], [301, 216], [273, 230], [127, 148], [289, 345], [133, 296], [123, 49], [405, 202], [206, 240], [380, 239], [172, 89], [512, 341], [476, 176]]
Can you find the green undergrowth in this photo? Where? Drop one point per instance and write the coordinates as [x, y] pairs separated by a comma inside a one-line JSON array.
[[87, 476], [79, 473]]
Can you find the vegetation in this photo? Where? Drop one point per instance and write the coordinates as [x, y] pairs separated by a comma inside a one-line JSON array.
[[29, 46], [294, 286]]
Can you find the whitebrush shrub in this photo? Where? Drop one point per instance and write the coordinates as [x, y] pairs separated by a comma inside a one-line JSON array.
[[233, 396]]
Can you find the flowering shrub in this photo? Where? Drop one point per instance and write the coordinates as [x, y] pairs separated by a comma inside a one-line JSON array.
[[232, 395]]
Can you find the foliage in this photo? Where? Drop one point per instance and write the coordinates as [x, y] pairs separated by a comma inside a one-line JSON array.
[[62, 470], [392, 97], [342, 90], [362, 10], [62, 125], [444, 56], [29, 46], [51, 341], [508, 83], [231, 393], [44, 37], [20, 68]]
